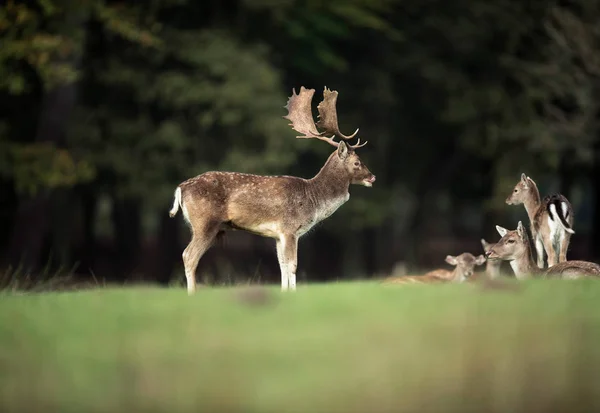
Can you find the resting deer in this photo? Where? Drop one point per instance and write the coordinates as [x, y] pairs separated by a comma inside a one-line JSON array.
[[514, 246], [551, 220], [279, 207], [464, 266], [492, 268]]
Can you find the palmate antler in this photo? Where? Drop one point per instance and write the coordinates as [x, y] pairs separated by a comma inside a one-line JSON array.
[[300, 114]]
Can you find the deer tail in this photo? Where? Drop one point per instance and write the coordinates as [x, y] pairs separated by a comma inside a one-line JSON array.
[[176, 203], [557, 210]]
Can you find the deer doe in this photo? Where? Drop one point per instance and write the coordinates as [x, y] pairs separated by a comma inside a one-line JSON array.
[[279, 207], [515, 247], [551, 220]]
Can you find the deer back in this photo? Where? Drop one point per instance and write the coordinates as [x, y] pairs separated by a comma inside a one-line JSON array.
[[573, 269]]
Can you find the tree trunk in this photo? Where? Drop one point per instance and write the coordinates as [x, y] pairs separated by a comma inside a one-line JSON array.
[[31, 223], [437, 176], [89, 203], [567, 175], [168, 250], [33, 213], [28, 233], [127, 224], [594, 254]]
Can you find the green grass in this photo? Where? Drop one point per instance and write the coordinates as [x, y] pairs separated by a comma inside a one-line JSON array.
[[341, 347]]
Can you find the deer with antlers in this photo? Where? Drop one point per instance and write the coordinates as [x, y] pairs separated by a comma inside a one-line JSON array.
[[279, 207]]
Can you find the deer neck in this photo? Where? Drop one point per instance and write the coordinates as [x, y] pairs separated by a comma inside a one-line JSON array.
[[532, 202], [524, 266], [457, 276], [331, 184], [492, 269]]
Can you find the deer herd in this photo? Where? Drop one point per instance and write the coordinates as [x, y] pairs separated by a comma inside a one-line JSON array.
[[287, 207]]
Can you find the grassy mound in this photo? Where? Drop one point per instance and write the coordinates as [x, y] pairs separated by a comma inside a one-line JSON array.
[[342, 347]]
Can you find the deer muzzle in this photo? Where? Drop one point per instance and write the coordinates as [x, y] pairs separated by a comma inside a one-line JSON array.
[[369, 181], [491, 255]]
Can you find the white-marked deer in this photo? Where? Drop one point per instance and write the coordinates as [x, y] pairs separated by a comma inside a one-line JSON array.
[[551, 220], [464, 266], [514, 246], [279, 207]]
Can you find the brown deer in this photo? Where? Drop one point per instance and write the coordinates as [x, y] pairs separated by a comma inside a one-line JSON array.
[[514, 246], [551, 220], [492, 267], [464, 266], [279, 207]]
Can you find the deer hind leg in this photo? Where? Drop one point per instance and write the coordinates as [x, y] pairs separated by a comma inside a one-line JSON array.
[[287, 252], [539, 249], [548, 241], [202, 238], [564, 241]]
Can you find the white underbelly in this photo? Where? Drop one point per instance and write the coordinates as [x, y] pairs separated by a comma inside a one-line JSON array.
[[266, 229]]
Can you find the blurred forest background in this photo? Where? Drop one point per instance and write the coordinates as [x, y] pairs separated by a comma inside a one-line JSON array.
[[106, 106]]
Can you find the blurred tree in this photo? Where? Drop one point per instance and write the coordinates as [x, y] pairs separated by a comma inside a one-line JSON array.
[[108, 105], [39, 61]]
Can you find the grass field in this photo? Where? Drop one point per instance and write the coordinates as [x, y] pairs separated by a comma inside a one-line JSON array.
[[341, 347]]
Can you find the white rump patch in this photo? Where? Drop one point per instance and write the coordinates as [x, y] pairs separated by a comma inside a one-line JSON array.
[[565, 209], [553, 222]]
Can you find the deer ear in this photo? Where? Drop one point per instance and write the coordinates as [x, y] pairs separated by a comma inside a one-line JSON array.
[[342, 150], [520, 229], [451, 260], [479, 260], [502, 231], [525, 179], [484, 244]]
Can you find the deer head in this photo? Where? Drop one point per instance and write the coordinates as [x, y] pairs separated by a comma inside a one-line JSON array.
[[522, 191], [512, 245], [486, 245], [300, 114], [465, 264]]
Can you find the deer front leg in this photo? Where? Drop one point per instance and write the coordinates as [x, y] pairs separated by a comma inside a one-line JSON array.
[[291, 258], [288, 245], [279, 243]]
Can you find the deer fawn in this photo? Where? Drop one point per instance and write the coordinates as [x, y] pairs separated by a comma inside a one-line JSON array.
[[551, 220], [514, 246], [279, 207], [464, 263], [492, 267]]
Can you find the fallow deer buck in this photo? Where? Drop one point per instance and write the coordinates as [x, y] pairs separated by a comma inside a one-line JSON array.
[[279, 207], [464, 266], [551, 220], [514, 246]]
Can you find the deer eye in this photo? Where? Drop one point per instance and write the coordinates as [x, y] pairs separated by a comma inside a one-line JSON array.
[[356, 163], [516, 190], [511, 241]]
